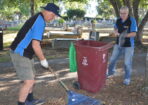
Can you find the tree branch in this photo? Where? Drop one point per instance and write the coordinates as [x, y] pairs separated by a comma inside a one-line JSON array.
[[135, 10], [115, 6], [141, 26]]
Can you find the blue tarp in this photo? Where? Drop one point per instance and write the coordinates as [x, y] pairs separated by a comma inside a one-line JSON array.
[[79, 99]]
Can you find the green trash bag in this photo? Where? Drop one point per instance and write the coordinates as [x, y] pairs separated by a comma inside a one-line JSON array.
[[72, 58]]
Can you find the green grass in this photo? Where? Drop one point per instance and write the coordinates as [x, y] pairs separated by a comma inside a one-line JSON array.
[[4, 56], [12, 29], [16, 28]]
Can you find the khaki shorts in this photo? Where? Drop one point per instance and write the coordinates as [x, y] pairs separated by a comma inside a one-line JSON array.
[[24, 66]]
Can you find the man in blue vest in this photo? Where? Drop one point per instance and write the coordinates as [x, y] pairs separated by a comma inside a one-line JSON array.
[[125, 29], [24, 46]]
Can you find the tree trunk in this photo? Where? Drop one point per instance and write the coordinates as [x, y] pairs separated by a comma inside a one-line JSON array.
[[118, 2], [32, 7], [135, 10], [141, 27], [115, 6], [145, 85], [146, 74], [128, 4]]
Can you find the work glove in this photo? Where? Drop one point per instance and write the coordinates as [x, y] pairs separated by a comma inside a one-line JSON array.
[[44, 63]]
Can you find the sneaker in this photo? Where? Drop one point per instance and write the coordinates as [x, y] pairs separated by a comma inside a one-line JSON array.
[[28, 103], [126, 81], [35, 102]]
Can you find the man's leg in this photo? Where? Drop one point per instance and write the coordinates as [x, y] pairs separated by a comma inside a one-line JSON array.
[[117, 51], [129, 51], [24, 90], [30, 95], [24, 71], [30, 100]]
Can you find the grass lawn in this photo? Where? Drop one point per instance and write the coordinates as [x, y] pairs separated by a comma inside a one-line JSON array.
[[12, 29], [16, 28], [4, 56]]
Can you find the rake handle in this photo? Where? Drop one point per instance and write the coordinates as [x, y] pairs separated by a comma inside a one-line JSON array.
[[60, 81]]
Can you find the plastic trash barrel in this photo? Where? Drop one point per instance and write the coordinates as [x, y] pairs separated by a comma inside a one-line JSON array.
[[92, 58]]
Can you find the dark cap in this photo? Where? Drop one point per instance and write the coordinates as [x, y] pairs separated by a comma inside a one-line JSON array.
[[53, 8]]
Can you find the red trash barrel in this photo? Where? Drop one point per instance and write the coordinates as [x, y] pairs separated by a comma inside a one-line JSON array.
[[92, 57]]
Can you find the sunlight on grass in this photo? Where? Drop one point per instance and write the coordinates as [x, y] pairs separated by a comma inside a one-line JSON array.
[[8, 32], [6, 45]]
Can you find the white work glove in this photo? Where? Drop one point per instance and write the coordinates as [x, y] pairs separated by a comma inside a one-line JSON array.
[[44, 63]]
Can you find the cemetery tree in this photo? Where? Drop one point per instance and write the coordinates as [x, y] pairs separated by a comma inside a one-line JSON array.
[[134, 7], [78, 13], [105, 10]]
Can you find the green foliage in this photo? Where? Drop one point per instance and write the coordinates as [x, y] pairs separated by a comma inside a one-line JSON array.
[[61, 21], [13, 7], [8, 13], [93, 21], [65, 17], [81, 1], [144, 4], [75, 5], [9, 8], [71, 13], [23, 10], [105, 10]]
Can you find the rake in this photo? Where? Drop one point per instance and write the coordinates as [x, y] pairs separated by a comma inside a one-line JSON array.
[[76, 98]]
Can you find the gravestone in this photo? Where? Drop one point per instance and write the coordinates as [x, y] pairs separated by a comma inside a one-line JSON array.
[[93, 35]]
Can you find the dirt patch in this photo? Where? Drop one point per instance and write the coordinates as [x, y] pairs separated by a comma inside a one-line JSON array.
[[47, 87], [113, 93]]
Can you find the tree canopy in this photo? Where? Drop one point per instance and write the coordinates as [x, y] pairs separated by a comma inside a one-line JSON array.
[[25, 8], [71, 13], [28, 7]]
